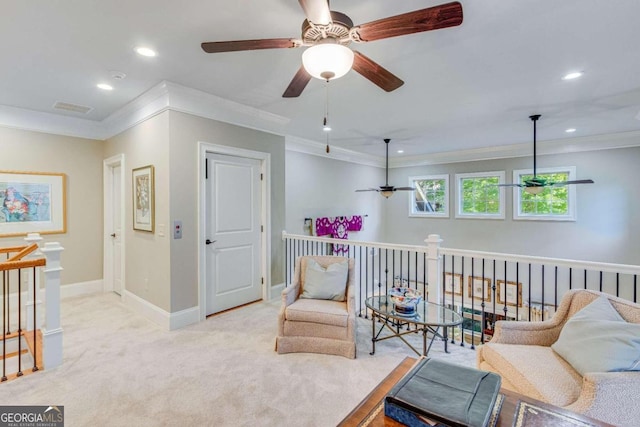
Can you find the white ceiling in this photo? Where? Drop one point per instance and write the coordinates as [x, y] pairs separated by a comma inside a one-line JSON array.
[[465, 87]]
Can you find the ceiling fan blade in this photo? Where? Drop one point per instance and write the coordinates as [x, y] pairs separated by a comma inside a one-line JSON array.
[[238, 45], [433, 18], [298, 83], [375, 73], [578, 181], [404, 189], [509, 185], [317, 11], [368, 189]]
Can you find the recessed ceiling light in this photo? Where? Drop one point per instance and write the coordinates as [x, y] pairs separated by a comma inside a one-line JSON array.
[[572, 76], [145, 51], [570, 130], [400, 151], [104, 86]]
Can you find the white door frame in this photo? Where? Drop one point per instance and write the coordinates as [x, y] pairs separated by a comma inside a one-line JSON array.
[[265, 169], [107, 265]]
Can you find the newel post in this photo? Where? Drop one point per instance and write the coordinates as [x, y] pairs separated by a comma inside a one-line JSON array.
[[52, 331], [33, 295], [434, 267]]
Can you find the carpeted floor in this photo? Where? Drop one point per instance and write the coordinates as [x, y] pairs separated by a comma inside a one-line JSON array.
[[121, 370]]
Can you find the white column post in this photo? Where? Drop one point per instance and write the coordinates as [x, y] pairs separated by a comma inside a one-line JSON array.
[[33, 300], [52, 331], [434, 267]]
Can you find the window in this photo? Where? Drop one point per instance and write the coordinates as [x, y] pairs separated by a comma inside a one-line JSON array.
[[478, 195], [552, 203], [431, 197]]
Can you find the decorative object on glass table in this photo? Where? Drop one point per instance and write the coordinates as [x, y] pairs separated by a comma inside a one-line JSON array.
[[405, 300]]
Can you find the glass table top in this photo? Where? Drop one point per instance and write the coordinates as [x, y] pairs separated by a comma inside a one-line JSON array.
[[427, 313]]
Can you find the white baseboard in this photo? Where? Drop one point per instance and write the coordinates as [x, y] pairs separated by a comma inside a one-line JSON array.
[[164, 319], [275, 291], [82, 288], [183, 318]]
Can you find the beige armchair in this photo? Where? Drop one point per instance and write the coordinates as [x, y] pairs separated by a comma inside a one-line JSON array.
[[316, 325], [521, 353]]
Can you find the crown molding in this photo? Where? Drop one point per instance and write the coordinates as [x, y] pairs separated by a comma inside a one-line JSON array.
[[314, 148], [39, 121], [163, 96], [555, 146]]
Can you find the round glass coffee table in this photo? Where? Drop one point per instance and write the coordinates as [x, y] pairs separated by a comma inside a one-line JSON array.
[[428, 318]]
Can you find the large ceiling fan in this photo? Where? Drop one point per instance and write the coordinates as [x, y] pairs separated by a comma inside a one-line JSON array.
[[325, 30], [387, 190], [536, 184]]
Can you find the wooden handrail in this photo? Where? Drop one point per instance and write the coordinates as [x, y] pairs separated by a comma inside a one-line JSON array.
[[11, 249], [27, 263], [24, 252]]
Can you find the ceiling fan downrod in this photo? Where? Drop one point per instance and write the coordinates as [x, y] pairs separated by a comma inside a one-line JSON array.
[[534, 118], [386, 179]]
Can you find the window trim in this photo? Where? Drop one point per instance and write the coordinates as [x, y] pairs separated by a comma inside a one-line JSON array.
[[445, 214], [459, 201], [517, 192]]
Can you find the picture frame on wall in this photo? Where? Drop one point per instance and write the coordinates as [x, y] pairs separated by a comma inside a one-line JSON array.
[[479, 287], [453, 283], [513, 293], [32, 202], [143, 191]]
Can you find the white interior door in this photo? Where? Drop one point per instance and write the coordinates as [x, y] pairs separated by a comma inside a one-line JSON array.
[[113, 272], [116, 231], [233, 232]]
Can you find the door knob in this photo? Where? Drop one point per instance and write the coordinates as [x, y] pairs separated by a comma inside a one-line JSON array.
[[113, 234], [208, 242]]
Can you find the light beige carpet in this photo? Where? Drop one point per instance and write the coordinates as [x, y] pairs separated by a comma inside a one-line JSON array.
[[121, 370]]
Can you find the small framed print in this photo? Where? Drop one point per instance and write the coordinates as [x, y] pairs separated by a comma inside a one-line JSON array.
[[453, 283], [143, 198], [479, 287], [512, 291]]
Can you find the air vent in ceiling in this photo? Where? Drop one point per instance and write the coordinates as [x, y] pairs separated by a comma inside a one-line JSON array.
[[72, 107]]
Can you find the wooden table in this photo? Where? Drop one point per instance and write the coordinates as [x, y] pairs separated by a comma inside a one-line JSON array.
[[370, 412]]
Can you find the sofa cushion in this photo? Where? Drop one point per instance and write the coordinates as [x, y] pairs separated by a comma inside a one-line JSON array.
[[535, 371], [328, 283], [598, 339], [326, 312]]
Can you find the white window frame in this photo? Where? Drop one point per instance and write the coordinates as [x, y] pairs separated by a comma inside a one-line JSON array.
[[459, 201], [419, 214], [517, 192]]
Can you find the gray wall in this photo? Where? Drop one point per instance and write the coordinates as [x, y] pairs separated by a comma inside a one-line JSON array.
[[606, 229], [318, 186], [147, 262], [81, 160], [185, 132]]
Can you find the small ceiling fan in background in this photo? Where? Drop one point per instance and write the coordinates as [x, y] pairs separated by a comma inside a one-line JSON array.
[[387, 190], [536, 184], [328, 33]]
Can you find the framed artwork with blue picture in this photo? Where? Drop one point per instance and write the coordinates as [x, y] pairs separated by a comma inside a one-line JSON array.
[[32, 202]]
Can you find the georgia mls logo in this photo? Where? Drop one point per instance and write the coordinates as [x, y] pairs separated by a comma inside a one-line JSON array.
[[32, 416]]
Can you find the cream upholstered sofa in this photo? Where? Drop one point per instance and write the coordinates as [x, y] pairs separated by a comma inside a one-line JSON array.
[[521, 353], [317, 325]]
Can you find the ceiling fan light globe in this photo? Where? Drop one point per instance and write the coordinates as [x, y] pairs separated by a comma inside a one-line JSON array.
[[386, 193], [534, 190], [327, 60]]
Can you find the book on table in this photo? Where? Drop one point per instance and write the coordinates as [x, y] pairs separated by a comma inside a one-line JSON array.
[[441, 393]]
